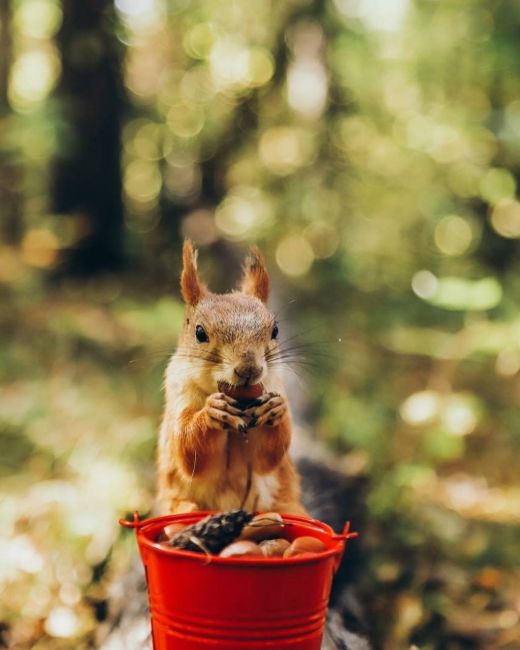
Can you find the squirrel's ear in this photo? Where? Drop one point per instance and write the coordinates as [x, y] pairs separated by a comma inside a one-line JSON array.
[[191, 288], [256, 280]]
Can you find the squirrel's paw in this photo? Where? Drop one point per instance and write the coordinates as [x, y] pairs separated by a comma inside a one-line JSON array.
[[223, 414], [269, 412]]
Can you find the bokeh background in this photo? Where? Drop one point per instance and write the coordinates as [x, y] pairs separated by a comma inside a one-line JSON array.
[[372, 150]]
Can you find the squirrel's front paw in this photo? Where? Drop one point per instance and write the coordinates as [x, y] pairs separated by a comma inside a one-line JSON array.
[[223, 414], [268, 411]]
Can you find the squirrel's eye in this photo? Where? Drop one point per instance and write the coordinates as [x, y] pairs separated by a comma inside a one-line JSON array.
[[275, 331], [200, 334]]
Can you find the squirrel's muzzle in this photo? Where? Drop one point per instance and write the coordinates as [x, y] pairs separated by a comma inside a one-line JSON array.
[[247, 373]]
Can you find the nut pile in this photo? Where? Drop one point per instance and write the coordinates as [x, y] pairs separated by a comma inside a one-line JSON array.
[[239, 534]]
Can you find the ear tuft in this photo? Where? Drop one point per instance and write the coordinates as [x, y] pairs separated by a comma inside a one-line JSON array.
[[256, 280], [191, 288]]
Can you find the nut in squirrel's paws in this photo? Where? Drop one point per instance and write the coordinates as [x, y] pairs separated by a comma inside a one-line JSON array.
[[244, 396]]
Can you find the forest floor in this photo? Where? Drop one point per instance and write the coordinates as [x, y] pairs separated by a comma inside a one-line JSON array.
[[81, 396]]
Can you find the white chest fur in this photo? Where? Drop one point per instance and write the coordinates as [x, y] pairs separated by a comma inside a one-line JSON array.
[[261, 495], [266, 488]]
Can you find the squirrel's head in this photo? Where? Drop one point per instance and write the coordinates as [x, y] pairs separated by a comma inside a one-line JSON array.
[[232, 335]]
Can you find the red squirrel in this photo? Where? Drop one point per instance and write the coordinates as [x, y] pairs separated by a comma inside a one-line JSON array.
[[215, 452]]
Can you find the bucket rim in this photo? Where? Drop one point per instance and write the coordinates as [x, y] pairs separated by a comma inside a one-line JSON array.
[[141, 527]]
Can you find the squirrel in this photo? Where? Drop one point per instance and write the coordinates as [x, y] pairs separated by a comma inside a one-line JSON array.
[[216, 452]]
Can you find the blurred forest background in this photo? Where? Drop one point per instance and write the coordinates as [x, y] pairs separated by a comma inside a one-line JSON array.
[[372, 150]]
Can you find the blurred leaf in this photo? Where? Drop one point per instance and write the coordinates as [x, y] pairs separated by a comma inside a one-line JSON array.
[[443, 446], [461, 293]]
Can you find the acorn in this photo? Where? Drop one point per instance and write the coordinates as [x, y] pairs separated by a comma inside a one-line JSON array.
[[263, 526], [172, 529], [242, 548], [274, 547], [246, 396], [305, 545]]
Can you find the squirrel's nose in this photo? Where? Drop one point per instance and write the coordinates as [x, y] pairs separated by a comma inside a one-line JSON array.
[[248, 374]]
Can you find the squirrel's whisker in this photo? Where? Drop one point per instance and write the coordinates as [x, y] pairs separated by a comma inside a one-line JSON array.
[[200, 357], [297, 352], [291, 364], [284, 308]]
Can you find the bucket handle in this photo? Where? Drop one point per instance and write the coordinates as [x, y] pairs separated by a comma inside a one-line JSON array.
[[343, 536], [135, 523], [346, 534]]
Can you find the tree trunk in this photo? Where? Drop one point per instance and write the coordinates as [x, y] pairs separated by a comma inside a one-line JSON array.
[[11, 225], [5, 52], [87, 173]]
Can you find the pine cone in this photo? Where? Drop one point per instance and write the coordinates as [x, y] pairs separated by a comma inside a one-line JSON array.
[[212, 533]]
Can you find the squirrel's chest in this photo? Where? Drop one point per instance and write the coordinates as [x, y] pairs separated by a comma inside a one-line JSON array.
[[233, 483], [255, 492]]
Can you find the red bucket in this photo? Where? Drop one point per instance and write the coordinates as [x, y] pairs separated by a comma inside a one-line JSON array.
[[201, 603]]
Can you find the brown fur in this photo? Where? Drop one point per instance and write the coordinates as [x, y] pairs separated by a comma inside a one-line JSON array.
[[212, 455], [256, 280]]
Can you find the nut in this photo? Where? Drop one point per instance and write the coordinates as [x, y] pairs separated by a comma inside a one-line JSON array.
[[264, 526], [274, 547], [242, 548], [172, 529], [305, 545], [164, 543], [241, 393]]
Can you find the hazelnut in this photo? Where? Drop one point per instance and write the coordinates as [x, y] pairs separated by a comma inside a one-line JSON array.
[[263, 526], [241, 393], [305, 545], [164, 543], [242, 548], [274, 547], [172, 529]]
